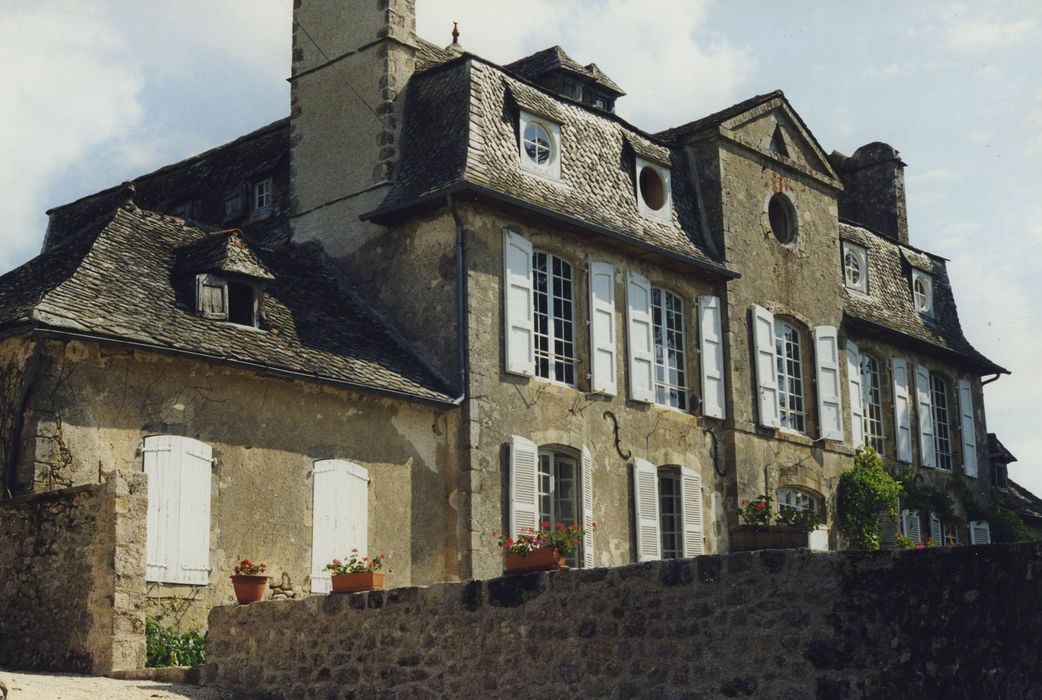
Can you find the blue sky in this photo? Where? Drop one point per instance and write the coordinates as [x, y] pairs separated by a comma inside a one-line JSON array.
[[101, 91]]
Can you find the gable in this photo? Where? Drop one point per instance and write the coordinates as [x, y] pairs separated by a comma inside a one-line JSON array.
[[775, 130]]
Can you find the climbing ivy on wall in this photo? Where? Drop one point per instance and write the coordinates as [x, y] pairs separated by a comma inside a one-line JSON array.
[[865, 492]]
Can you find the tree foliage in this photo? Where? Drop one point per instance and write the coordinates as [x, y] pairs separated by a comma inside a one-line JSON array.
[[865, 492]]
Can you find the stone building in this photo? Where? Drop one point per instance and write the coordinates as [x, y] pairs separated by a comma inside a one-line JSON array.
[[446, 297]]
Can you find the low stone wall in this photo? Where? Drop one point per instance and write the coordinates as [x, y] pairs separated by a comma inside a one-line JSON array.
[[956, 623], [72, 577]]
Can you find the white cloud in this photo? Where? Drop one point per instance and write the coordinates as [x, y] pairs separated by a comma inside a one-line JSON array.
[[978, 34]]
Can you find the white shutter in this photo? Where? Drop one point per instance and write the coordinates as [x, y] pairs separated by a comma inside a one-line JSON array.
[[766, 366], [935, 529], [826, 353], [710, 331], [691, 507], [640, 338], [193, 536], [910, 524], [645, 497], [969, 429], [340, 516], [518, 323], [587, 497], [927, 454], [161, 522], [524, 485], [887, 531], [856, 396], [980, 532], [603, 359], [902, 409]]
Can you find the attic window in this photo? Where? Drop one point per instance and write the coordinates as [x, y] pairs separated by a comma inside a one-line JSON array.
[[922, 292], [242, 304], [211, 297], [778, 142], [653, 190], [262, 195], [782, 217], [855, 267], [540, 150]]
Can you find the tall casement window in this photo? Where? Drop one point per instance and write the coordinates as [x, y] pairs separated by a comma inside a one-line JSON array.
[[671, 513], [942, 438], [559, 491], [791, 411], [667, 511], [667, 312], [873, 402], [554, 315]]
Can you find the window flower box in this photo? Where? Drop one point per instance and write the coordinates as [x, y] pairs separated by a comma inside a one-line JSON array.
[[358, 581], [750, 538], [536, 560]]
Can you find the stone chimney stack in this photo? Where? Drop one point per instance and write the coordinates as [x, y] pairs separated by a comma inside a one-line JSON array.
[[874, 189], [351, 62]]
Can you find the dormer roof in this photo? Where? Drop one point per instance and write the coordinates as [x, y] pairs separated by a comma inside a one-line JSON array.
[[554, 59], [222, 251]]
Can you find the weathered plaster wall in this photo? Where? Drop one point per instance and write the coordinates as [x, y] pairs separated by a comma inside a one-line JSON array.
[[266, 434], [951, 623], [501, 405], [72, 577]]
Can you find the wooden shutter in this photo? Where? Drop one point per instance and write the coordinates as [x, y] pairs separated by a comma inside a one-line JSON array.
[[161, 522], [924, 406], [587, 499], [887, 531], [340, 516], [211, 296], [826, 353], [193, 535], [910, 524], [640, 338], [710, 331], [936, 532], [524, 485], [603, 357], [980, 532], [766, 366], [969, 429], [856, 396], [691, 507], [518, 323], [902, 409], [645, 497]]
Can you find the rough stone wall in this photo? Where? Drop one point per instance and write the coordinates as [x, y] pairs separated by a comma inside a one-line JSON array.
[[72, 577], [874, 189], [266, 434], [16, 369], [958, 623]]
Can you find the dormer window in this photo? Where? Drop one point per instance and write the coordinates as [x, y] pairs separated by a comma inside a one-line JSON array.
[[211, 297], [262, 195], [242, 304], [540, 151], [226, 300], [855, 267], [233, 205], [922, 292], [653, 191]]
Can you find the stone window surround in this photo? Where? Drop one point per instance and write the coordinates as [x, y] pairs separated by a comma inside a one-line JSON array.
[[665, 212], [926, 279]]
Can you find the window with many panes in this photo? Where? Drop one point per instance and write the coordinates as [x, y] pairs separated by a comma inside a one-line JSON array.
[[795, 498], [872, 396], [855, 267], [671, 514], [553, 298], [559, 493], [667, 312], [791, 412], [942, 438], [262, 195]]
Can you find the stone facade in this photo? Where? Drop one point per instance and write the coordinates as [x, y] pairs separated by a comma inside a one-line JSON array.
[[782, 624], [72, 577]]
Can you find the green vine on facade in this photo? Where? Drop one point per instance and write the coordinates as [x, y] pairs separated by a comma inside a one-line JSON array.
[[866, 492]]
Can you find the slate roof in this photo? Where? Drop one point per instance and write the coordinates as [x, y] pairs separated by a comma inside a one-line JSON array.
[[429, 55], [889, 302], [554, 59], [222, 251], [120, 277], [1021, 501], [717, 118], [460, 130]]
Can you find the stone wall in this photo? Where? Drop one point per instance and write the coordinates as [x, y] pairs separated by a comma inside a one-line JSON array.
[[72, 577], [962, 622]]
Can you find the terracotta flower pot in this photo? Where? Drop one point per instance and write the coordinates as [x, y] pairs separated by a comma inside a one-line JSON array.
[[249, 589], [353, 583], [536, 560]]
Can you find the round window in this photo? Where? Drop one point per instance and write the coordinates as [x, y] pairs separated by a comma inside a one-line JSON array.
[[853, 268], [652, 188], [922, 299], [782, 218], [538, 145]]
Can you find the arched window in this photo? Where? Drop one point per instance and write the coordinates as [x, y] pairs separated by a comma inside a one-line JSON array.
[[788, 351], [873, 402], [798, 499]]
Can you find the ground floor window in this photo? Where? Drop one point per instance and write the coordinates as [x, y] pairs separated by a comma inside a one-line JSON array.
[[671, 513], [559, 492]]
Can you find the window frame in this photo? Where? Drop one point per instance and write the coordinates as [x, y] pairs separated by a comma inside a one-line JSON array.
[[872, 402], [557, 455], [812, 499], [551, 356], [941, 420], [268, 194], [792, 219], [926, 306], [860, 256], [1002, 469], [676, 499], [659, 313], [665, 212], [550, 170], [782, 360]]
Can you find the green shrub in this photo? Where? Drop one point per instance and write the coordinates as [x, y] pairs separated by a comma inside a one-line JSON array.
[[1006, 526], [168, 646], [865, 492]]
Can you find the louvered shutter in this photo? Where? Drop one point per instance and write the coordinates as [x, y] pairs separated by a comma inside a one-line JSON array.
[[887, 531], [856, 396], [924, 406], [691, 507], [935, 529], [193, 536], [603, 360], [518, 323], [766, 366], [340, 516], [710, 330], [645, 491], [640, 338], [969, 429], [826, 353], [161, 521], [524, 485], [980, 532], [910, 524], [902, 409], [587, 498]]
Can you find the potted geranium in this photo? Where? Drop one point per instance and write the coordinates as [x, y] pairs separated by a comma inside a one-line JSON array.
[[249, 581], [357, 573], [792, 527], [540, 550]]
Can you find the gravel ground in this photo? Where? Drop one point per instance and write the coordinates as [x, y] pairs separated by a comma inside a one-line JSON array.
[[50, 686]]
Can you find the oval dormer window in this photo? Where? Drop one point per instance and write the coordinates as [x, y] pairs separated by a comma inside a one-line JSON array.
[[782, 216], [652, 188], [538, 145]]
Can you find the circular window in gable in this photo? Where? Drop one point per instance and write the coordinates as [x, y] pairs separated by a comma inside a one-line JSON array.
[[652, 188], [782, 216]]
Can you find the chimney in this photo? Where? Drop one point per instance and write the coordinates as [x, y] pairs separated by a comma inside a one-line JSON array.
[[874, 189], [351, 62]]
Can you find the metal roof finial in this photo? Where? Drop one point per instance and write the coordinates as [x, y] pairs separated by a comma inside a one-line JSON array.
[[455, 32]]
